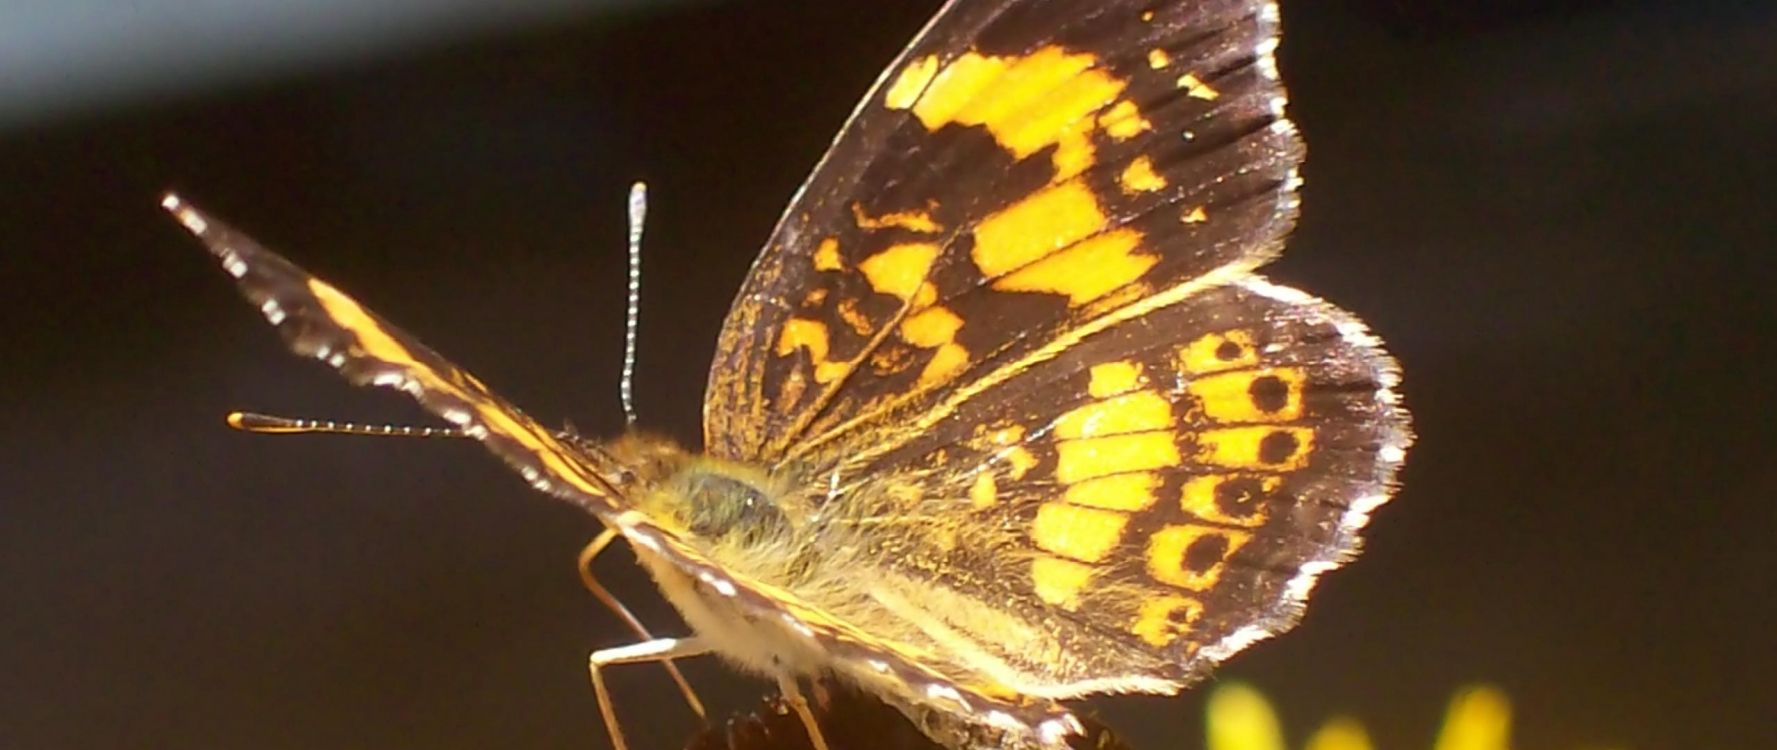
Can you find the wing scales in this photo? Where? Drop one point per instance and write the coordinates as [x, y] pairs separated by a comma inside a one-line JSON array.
[[317, 320], [1059, 581], [1010, 326], [1023, 169]]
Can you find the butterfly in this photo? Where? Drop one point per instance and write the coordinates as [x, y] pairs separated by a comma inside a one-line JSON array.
[[1003, 415]]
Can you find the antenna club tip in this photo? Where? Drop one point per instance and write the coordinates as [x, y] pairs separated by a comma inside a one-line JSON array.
[[237, 420], [171, 201]]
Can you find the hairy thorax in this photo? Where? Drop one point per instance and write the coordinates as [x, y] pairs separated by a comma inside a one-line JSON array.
[[756, 524]]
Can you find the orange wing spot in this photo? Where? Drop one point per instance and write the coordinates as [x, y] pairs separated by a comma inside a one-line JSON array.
[[936, 327], [1125, 492], [1268, 395], [1056, 87], [1191, 557], [1140, 177], [827, 372], [1215, 352], [802, 333], [933, 326], [1163, 619], [1042, 223], [1197, 88], [911, 83], [1236, 500], [984, 492], [1021, 461], [1084, 534], [853, 317], [1114, 378], [924, 298], [1157, 58], [900, 269], [1195, 216], [378, 343], [1039, 115], [1258, 447], [945, 362], [1027, 103], [826, 256], [1141, 411], [1009, 435], [952, 88], [1074, 152], [1059, 582], [1086, 270], [916, 221], [1080, 460], [375, 341], [1123, 121]]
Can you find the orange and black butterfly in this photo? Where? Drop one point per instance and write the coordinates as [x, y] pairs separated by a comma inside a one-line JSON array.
[[1003, 415]]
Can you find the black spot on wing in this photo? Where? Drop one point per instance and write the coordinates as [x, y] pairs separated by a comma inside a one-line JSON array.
[[1269, 393], [1240, 497]]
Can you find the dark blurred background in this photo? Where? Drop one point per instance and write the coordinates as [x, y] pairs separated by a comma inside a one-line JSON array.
[[1558, 215]]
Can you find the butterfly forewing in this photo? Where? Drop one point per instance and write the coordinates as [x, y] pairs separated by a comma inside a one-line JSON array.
[[319, 321], [1023, 169]]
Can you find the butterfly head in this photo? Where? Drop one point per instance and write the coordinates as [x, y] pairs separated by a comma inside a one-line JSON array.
[[635, 460]]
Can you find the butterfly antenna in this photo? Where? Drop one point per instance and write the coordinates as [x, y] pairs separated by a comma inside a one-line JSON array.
[[638, 211], [267, 424]]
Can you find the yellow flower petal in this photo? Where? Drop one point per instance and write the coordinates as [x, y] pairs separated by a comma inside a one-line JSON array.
[[1479, 719], [1340, 734], [1240, 719]]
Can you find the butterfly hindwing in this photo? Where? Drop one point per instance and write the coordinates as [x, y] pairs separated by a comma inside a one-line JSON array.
[[1144, 504]]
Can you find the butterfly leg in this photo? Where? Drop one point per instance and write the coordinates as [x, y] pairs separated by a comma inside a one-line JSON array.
[[599, 592], [658, 649], [786, 684]]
